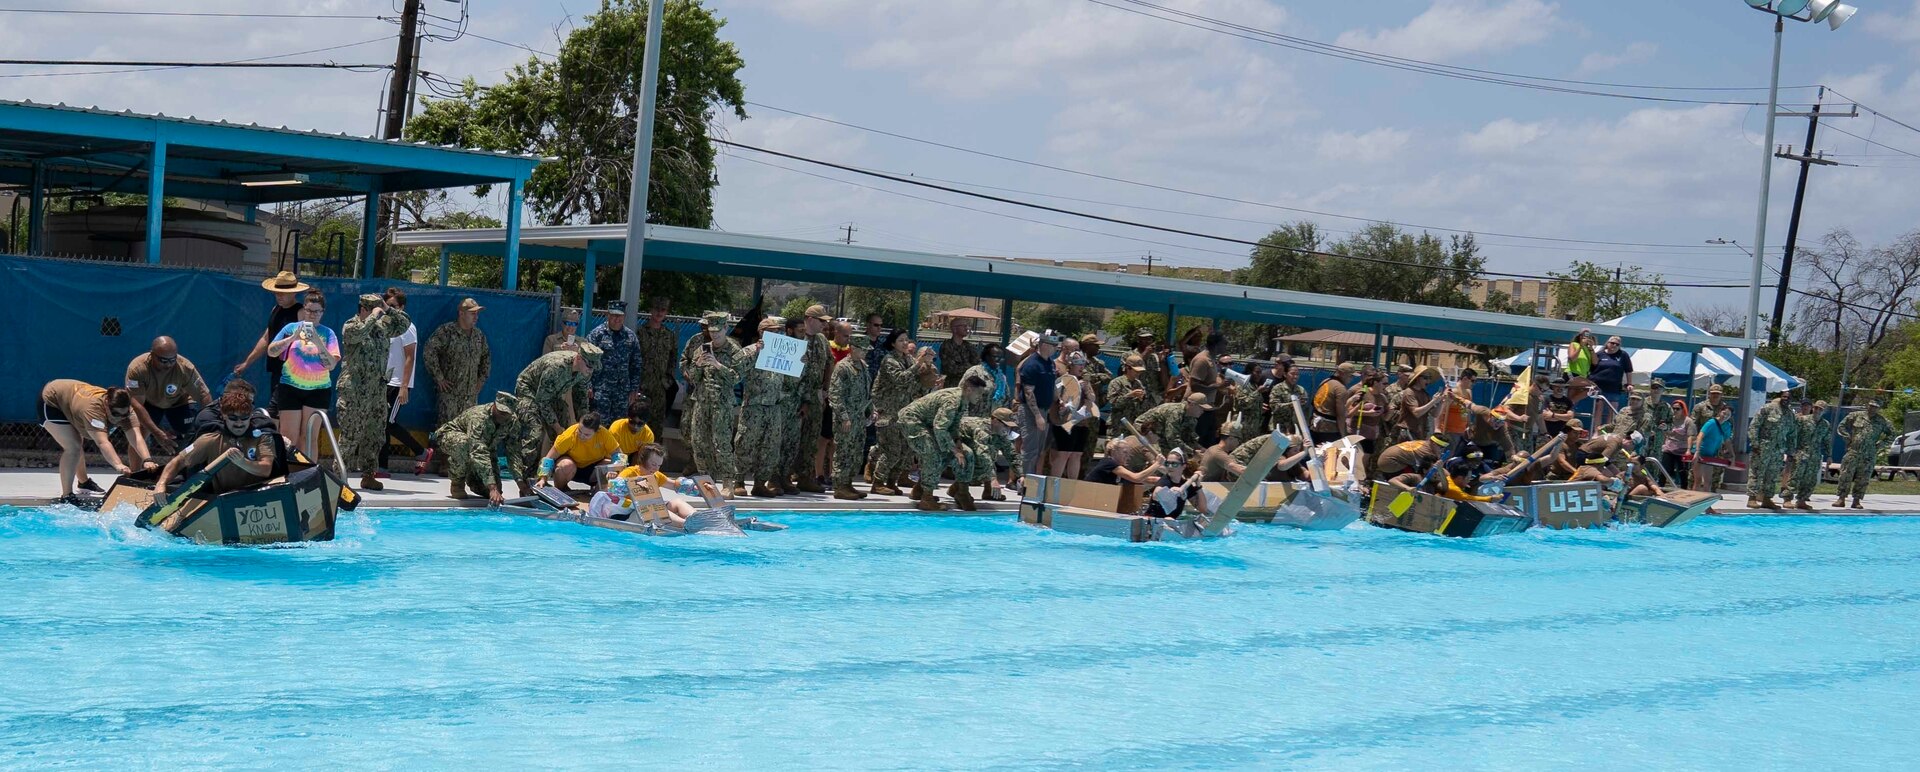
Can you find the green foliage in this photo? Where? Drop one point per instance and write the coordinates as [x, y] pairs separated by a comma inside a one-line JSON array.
[[1380, 262], [1588, 292], [1066, 320], [1500, 302], [1820, 369], [796, 307], [893, 305]]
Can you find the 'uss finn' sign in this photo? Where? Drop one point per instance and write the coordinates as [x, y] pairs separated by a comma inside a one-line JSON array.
[[781, 354]]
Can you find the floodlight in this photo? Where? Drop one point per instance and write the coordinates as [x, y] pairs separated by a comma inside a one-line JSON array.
[[1820, 9], [1764, 5], [1840, 14], [1789, 7]]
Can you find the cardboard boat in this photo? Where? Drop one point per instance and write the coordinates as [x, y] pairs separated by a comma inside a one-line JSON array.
[[649, 516], [1291, 504], [1418, 512], [1586, 505], [302, 506]]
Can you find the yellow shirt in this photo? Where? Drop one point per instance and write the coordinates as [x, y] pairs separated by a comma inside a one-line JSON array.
[[645, 488], [630, 438], [585, 453]]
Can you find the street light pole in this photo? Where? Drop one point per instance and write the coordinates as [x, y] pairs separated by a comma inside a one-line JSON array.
[[642, 160], [1747, 404]]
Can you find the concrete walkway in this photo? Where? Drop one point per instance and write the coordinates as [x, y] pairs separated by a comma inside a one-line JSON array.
[[37, 487]]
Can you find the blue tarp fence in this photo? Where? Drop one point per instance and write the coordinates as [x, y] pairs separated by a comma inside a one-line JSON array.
[[87, 320]]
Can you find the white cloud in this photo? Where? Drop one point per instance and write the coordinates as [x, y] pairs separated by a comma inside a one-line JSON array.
[[1371, 147], [1600, 61], [1451, 29], [1904, 28]]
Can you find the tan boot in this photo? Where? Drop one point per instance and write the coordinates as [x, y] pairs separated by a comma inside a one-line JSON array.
[[962, 498], [845, 492], [1839, 502], [1803, 505], [883, 489], [809, 485], [367, 483], [760, 490], [739, 489], [1766, 502], [1856, 504], [929, 503], [1753, 503], [458, 489]]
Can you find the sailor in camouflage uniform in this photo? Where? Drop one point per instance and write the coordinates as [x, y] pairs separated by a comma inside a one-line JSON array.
[[1280, 402], [690, 407], [1153, 370], [550, 395], [897, 384], [764, 421], [364, 343], [617, 378], [957, 356], [474, 441], [1172, 424], [931, 425], [1866, 432], [1659, 417], [1127, 396], [711, 376], [989, 445], [459, 360], [1251, 402], [656, 367], [1809, 455], [852, 400], [1774, 434], [804, 441]]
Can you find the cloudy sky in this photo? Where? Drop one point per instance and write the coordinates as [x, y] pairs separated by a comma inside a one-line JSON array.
[[1101, 87]]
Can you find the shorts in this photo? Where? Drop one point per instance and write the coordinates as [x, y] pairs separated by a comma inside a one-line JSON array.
[[52, 415], [826, 421], [179, 417], [288, 398], [1070, 442]]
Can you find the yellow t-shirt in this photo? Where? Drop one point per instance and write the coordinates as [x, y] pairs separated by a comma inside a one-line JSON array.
[[585, 453], [631, 436], [645, 488]]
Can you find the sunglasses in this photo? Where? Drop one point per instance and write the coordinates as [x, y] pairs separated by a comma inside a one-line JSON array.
[[166, 361], [570, 324]]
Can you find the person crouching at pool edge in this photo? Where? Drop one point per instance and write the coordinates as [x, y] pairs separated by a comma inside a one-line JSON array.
[[98, 411], [245, 437], [578, 449]]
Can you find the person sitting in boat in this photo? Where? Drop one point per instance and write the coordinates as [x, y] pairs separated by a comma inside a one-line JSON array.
[[579, 449], [1178, 485], [74, 412], [207, 421], [1461, 478], [1217, 463], [1128, 460], [1607, 460], [1288, 470], [247, 439], [1568, 461], [1526, 468], [641, 480], [1405, 465]]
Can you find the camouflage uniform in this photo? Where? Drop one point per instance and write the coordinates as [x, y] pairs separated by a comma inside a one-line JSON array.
[[543, 390], [656, 374], [956, 357], [1154, 374], [1251, 404], [764, 422], [1658, 420], [1630, 419], [618, 375], [1281, 410], [459, 361], [804, 438], [931, 425], [985, 448], [1774, 434], [690, 407], [986, 403], [852, 401], [1097, 376], [1170, 425], [1809, 455], [1244, 454], [896, 386], [1866, 432], [472, 443], [712, 382], [1122, 405], [362, 409]]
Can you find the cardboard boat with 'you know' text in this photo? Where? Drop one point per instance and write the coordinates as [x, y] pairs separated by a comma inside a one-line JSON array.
[[301, 506]]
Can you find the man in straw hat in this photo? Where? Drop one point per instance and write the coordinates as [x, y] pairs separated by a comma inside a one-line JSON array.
[[1866, 432], [475, 441], [459, 360], [551, 394], [365, 342], [287, 292], [851, 396]]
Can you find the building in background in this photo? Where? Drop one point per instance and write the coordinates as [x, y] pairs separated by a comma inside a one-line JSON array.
[[1537, 293]]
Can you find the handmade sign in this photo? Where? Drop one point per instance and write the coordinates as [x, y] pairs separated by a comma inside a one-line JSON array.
[[781, 354]]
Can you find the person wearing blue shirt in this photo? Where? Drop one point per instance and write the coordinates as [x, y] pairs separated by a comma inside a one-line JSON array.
[[1710, 442], [1037, 378]]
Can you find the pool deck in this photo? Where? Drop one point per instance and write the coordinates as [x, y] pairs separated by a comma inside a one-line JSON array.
[[35, 487]]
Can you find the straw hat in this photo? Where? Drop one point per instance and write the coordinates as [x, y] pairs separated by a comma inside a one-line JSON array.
[[284, 281]]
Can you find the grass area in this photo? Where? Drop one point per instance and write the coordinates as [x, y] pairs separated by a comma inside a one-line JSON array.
[[1901, 486]]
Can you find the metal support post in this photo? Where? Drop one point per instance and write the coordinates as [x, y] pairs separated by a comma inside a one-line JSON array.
[[156, 199], [1742, 416], [1376, 345], [587, 282], [516, 200], [913, 314], [1173, 325], [37, 210], [635, 256], [370, 233], [444, 255], [1006, 322]]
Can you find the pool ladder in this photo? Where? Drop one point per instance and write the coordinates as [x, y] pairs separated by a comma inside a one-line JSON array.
[[312, 450]]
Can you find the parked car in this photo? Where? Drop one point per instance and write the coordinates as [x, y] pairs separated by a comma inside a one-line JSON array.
[[1903, 448]]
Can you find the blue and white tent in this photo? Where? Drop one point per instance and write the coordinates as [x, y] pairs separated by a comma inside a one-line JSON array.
[[1713, 365]]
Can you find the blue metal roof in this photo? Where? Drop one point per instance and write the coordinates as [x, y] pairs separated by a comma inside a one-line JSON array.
[[694, 250], [88, 147]]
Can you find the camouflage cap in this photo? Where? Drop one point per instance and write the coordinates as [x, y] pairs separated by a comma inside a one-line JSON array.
[[1820, 404], [1574, 425], [1196, 399], [1004, 415], [572, 315], [1143, 333], [772, 323], [1135, 361], [505, 402], [592, 353], [714, 319], [1716, 389], [371, 301], [859, 340]]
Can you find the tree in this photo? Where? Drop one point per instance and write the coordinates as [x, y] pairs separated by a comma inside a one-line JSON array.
[[892, 305], [1859, 296], [580, 108], [1499, 302], [797, 307], [1066, 320], [1717, 319], [1588, 292]]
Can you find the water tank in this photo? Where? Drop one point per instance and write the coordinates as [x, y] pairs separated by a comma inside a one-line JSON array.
[[188, 237]]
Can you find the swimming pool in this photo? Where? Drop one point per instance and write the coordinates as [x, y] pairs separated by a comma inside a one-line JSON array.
[[459, 640]]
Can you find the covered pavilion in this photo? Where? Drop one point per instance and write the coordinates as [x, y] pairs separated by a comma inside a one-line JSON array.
[[49, 147], [693, 250]]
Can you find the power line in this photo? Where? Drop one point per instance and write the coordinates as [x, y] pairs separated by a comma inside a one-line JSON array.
[[382, 38], [1213, 196], [1163, 228], [193, 14], [1323, 49], [186, 65], [1875, 143]]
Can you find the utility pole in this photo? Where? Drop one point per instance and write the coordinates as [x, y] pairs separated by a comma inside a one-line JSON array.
[[636, 254], [399, 95], [849, 228], [1149, 259], [840, 306], [1807, 160]]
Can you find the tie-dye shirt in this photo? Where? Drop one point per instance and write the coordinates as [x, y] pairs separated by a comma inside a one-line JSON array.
[[305, 369]]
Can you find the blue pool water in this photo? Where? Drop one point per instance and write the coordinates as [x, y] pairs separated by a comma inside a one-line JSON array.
[[480, 640]]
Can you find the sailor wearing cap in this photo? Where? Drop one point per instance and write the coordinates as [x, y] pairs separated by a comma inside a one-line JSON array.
[[617, 378], [851, 398], [803, 438], [1775, 433], [1809, 454], [712, 365], [1153, 371], [1172, 425], [474, 441], [1866, 433], [569, 336], [365, 341], [551, 395], [458, 359], [1128, 395], [989, 447]]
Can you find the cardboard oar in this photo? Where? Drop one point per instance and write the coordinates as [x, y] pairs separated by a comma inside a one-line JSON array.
[[159, 512], [1313, 452], [1250, 479]]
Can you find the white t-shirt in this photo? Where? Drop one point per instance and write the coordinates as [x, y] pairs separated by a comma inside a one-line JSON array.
[[397, 356]]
